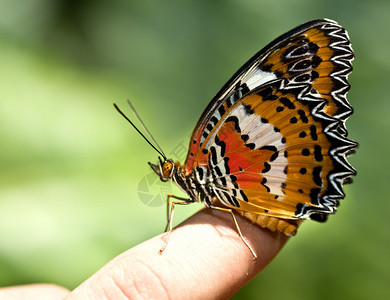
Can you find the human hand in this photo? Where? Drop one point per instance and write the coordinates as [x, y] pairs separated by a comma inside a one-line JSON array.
[[205, 259]]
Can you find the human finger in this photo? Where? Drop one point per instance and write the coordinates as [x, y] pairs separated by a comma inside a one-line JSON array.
[[205, 259]]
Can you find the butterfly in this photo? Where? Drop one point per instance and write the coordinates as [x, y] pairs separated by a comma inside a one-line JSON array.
[[272, 144]]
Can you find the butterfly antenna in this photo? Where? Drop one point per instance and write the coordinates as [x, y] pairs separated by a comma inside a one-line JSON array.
[[145, 128], [159, 150]]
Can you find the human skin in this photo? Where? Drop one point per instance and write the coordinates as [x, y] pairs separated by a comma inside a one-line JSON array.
[[205, 259]]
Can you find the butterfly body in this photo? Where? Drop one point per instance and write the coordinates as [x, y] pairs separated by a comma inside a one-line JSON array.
[[272, 144]]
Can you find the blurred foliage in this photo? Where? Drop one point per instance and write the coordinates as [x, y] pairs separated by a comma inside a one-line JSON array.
[[71, 169]]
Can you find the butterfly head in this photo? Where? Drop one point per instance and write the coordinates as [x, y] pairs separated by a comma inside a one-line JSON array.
[[164, 169]]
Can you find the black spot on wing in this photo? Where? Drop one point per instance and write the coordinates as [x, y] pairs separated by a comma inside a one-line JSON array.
[[302, 116], [314, 75], [263, 183], [302, 134], [318, 153], [267, 67], [248, 109], [269, 147], [223, 181], [305, 152], [232, 200], [273, 149], [235, 202], [317, 175], [285, 170], [244, 137], [244, 197], [319, 217], [244, 89], [274, 156], [236, 122], [214, 120], [314, 196], [313, 132], [231, 100], [221, 144], [267, 167], [267, 94], [299, 209], [226, 164], [251, 146], [287, 103], [213, 155], [233, 179], [218, 171], [200, 172], [316, 60], [221, 110]]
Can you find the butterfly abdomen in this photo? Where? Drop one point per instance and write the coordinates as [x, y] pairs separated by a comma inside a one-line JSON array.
[[285, 226]]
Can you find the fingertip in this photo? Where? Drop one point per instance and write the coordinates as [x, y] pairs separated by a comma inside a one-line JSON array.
[[34, 291]]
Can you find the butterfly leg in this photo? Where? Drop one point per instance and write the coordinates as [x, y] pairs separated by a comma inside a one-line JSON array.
[[170, 212], [228, 210], [170, 209]]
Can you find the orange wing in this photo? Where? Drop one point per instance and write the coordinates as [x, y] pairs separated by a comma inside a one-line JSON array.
[[317, 54], [274, 137], [281, 162]]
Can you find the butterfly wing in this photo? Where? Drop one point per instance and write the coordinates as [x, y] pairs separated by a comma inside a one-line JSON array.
[[285, 58], [274, 137]]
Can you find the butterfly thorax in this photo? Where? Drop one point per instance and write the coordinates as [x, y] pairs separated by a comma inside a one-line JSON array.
[[197, 184]]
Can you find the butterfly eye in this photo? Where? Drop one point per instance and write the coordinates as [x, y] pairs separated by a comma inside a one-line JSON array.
[[164, 169], [167, 169]]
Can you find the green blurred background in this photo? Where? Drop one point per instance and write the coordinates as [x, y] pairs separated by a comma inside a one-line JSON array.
[[73, 191]]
